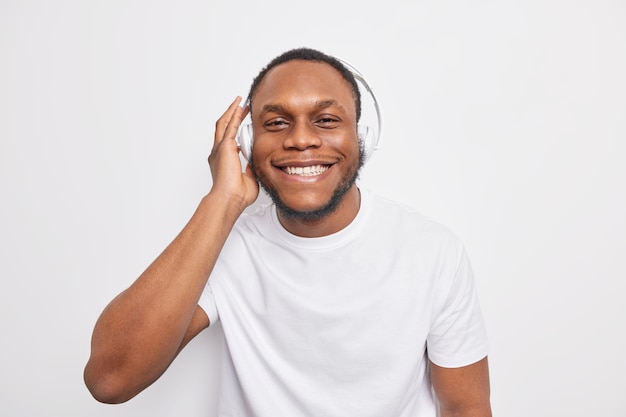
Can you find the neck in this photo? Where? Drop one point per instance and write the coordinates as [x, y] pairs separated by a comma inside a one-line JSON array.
[[346, 211]]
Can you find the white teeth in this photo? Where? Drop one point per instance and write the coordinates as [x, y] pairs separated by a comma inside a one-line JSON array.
[[306, 171]]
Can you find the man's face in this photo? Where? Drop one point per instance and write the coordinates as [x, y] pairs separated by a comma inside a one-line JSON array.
[[305, 154]]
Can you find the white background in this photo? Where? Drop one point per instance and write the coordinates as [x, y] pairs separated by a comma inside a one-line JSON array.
[[503, 120]]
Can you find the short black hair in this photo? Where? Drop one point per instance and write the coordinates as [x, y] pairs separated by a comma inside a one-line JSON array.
[[308, 54]]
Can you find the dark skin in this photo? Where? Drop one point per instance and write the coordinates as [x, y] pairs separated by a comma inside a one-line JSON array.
[[462, 392], [304, 116]]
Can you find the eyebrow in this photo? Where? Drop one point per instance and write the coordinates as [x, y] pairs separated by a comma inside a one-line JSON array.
[[322, 104], [319, 105]]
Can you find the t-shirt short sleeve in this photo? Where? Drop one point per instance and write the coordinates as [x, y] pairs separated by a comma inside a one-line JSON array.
[[207, 303], [458, 336]]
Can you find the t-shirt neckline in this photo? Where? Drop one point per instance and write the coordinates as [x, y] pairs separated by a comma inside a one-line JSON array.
[[333, 240]]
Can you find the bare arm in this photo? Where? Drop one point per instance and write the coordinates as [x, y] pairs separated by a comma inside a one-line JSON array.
[[142, 330], [462, 392]]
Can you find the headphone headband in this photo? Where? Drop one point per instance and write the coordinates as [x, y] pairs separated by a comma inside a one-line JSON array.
[[359, 77]]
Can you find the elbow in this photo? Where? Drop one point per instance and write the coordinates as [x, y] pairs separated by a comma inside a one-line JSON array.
[[107, 387]]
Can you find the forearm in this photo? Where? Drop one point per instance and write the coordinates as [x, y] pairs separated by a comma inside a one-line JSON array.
[[479, 412], [140, 331]]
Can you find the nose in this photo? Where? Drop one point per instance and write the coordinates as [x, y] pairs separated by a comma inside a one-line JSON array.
[[302, 136]]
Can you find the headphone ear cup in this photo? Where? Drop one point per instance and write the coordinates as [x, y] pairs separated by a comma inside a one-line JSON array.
[[244, 140], [366, 140]]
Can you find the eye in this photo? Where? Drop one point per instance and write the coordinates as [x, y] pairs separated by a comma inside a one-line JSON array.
[[327, 122], [275, 124]]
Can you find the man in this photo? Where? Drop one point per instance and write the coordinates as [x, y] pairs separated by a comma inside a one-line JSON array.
[[334, 302]]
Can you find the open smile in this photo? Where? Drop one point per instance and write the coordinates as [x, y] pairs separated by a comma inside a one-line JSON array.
[[306, 171]]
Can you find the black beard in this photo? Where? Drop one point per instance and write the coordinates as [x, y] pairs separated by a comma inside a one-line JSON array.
[[310, 215]]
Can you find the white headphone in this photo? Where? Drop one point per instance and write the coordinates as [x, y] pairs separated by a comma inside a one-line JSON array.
[[368, 137]]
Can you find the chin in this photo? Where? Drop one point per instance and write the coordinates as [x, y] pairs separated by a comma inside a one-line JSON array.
[[307, 214], [313, 211]]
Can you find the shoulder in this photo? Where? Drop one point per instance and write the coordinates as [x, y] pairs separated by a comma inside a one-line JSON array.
[[408, 222]]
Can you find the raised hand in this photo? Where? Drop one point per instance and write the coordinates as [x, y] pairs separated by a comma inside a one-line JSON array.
[[230, 181]]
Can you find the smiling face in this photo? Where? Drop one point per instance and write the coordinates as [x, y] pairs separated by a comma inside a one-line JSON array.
[[306, 154]]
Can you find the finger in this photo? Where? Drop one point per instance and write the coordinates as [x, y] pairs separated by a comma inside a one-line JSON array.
[[223, 122], [235, 121]]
